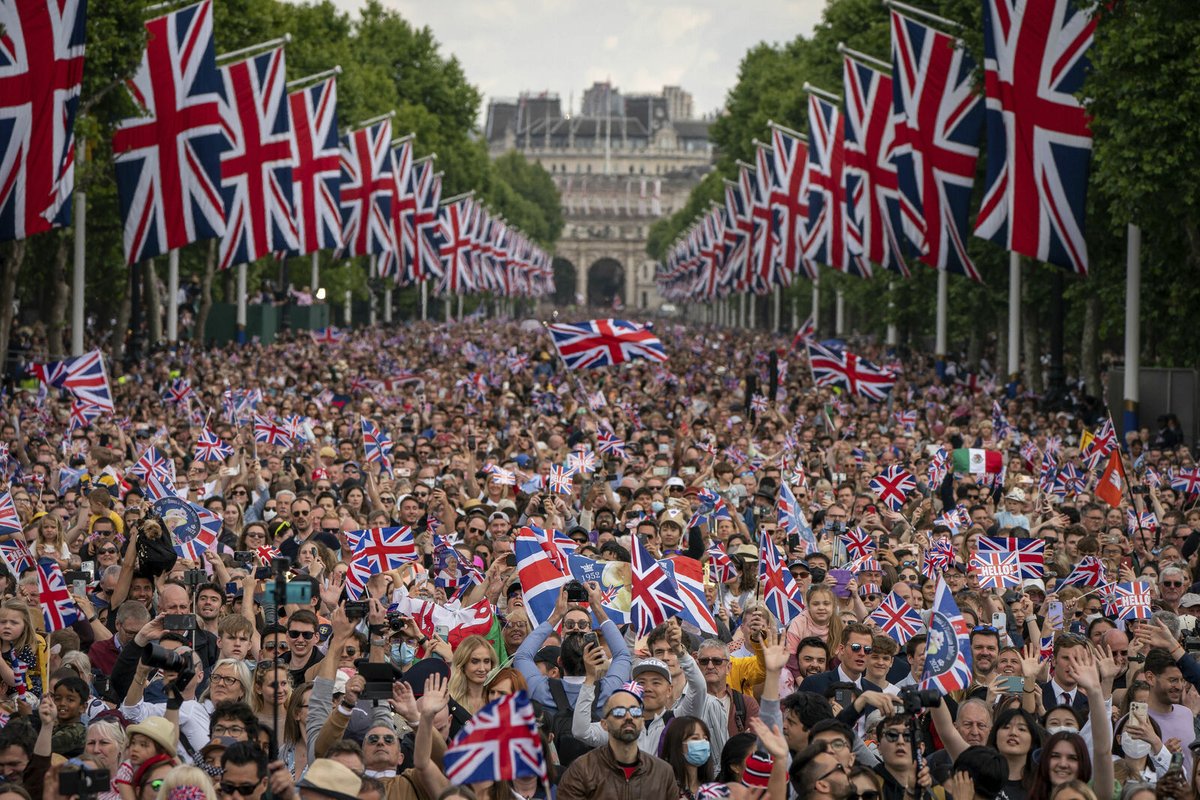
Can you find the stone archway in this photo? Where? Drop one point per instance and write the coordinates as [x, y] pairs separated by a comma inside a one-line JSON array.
[[565, 282], [606, 281]]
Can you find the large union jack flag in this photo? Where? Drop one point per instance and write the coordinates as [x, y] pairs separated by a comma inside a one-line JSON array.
[[256, 169], [428, 263], [1039, 143], [41, 67], [938, 121], [877, 219], [893, 486], [377, 446], [825, 238], [367, 190], [1131, 600], [455, 220], [605, 342], [897, 619], [58, 609], [1031, 553], [781, 594], [384, 549], [654, 596], [83, 376], [541, 571], [790, 196], [210, 447], [739, 226], [168, 160], [948, 648], [500, 743], [766, 220], [398, 263], [317, 170], [849, 371]]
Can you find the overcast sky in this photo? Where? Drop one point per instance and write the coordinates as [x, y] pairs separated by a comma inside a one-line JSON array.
[[565, 45]]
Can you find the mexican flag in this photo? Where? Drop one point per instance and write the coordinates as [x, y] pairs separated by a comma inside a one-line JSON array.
[[976, 461]]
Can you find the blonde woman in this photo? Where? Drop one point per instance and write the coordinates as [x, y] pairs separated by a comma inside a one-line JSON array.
[[272, 688], [186, 783], [230, 681], [105, 742], [473, 660]]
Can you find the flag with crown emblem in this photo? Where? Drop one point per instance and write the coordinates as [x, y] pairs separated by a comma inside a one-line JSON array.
[[948, 646]]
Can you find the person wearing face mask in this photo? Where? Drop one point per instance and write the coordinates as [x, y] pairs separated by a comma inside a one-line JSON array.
[[1142, 756], [686, 747]]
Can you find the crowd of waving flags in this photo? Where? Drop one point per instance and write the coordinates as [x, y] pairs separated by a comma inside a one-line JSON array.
[[234, 152], [885, 176]]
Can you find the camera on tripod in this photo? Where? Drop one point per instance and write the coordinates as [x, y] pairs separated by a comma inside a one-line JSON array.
[[915, 699]]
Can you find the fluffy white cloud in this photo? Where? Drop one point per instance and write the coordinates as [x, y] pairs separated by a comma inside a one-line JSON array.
[[564, 45]]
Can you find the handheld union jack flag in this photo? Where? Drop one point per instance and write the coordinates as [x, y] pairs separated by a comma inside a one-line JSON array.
[[1151, 478], [1131, 600], [153, 461], [1088, 572], [256, 169], [790, 518], [83, 376], [948, 648], [178, 391], [938, 559], [266, 554], [604, 343], [720, 566], [10, 521], [500, 743], [892, 486], [1030, 553], [540, 574], [58, 609], [1039, 143], [41, 69], [858, 543], [996, 569], [1070, 480], [328, 335], [168, 159], [210, 447], [1099, 446], [939, 119], [781, 594], [655, 597], [385, 549], [759, 404], [854, 374], [906, 419], [16, 555], [806, 331], [377, 445], [1186, 480], [367, 190], [83, 414], [897, 619], [559, 480], [939, 467], [269, 431], [317, 169], [581, 461], [688, 575], [1134, 522]]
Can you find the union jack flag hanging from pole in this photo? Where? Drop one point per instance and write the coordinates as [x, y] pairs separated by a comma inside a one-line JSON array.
[[790, 196], [428, 263], [41, 68], [168, 160], [397, 263], [825, 240], [938, 121], [317, 169], [878, 221], [456, 245], [256, 169], [1039, 142], [366, 193]]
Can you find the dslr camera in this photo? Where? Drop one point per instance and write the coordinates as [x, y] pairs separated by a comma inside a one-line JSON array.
[[915, 699], [83, 781]]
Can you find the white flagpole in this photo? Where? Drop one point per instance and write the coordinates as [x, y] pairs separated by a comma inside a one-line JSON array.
[[1014, 315], [839, 323], [1133, 330], [891, 326], [776, 307], [424, 300], [349, 307], [315, 280], [78, 281], [241, 303], [172, 293], [816, 306], [387, 304], [939, 346]]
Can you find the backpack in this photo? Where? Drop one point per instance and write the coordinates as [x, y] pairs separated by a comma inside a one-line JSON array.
[[558, 726]]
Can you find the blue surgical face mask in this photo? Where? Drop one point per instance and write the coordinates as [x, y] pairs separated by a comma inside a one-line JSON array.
[[657, 506], [404, 653], [698, 752]]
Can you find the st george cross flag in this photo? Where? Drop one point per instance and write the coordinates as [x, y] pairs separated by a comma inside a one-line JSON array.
[[892, 486], [41, 69], [256, 168], [210, 447], [605, 342], [168, 159], [781, 594], [58, 609], [1132, 600], [1039, 142], [948, 648], [939, 119], [654, 596], [1030, 553], [500, 743], [996, 569], [897, 619]]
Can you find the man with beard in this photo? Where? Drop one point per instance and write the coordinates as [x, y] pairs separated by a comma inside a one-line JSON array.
[[1166, 693], [619, 768], [811, 657], [817, 774], [985, 648]]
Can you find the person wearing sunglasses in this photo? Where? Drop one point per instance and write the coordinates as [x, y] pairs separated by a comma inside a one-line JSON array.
[[857, 644], [896, 754], [817, 774], [302, 642]]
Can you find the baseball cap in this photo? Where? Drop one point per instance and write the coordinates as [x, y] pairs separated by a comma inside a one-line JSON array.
[[652, 665], [1189, 599], [1033, 583], [548, 655]]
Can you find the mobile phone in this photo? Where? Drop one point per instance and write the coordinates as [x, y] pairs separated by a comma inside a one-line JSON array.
[[244, 556], [404, 472], [442, 632], [262, 573], [231, 589], [843, 577], [471, 442], [999, 621], [79, 587], [871, 509], [510, 560], [1138, 710], [1054, 615], [1012, 684], [664, 448], [592, 639], [844, 697], [661, 472], [89, 567], [180, 622]]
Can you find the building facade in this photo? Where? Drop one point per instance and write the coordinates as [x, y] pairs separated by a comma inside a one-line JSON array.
[[624, 162]]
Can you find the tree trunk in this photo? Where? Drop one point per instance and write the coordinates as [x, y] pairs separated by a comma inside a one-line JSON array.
[[154, 323], [210, 265], [121, 331], [228, 288], [1031, 336], [60, 299], [1089, 351], [14, 259]]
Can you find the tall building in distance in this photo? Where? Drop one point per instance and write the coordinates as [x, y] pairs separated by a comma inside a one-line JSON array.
[[620, 164]]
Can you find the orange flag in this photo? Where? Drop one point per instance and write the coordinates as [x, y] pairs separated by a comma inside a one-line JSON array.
[[1111, 488]]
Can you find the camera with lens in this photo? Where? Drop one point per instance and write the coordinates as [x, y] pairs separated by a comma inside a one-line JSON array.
[[576, 592], [83, 781], [159, 657], [1191, 644], [396, 620], [915, 699]]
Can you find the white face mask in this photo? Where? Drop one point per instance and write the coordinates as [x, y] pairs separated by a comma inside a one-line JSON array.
[[1134, 748], [269, 514], [1053, 729]]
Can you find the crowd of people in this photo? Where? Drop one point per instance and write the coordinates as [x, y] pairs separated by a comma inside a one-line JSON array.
[[264, 665]]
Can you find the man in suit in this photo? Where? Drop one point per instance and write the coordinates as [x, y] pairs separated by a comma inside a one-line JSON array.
[[1062, 690], [857, 645]]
